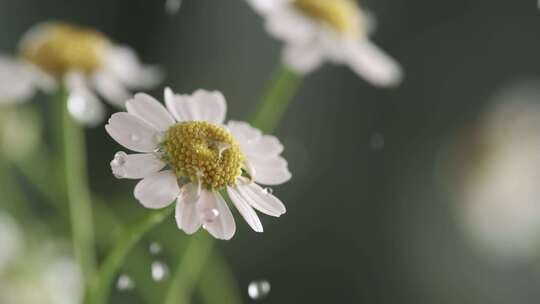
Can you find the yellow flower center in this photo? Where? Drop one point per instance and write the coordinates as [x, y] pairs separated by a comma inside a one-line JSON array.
[[57, 47], [203, 152], [341, 15]]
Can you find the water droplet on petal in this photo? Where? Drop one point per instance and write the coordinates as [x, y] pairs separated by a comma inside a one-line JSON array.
[[159, 271], [117, 164], [258, 289], [125, 282], [154, 248], [268, 190], [209, 215], [134, 137], [119, 159]]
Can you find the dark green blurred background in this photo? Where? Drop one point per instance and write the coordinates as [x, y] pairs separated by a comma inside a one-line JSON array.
[[366, 223]]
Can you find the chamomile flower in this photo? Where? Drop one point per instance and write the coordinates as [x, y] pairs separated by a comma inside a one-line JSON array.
[[83, 60], [188, 155], [315, 31], [499, 180]]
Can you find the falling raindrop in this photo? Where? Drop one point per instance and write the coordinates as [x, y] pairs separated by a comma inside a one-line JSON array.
[[209, 215], [172, 6], [376, 141], [159, 271], [125, 282], [258, 289], [154, 248]]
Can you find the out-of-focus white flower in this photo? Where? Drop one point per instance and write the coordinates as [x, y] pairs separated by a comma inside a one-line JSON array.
[[53, 280], [35, 272], [10, 239], [81, 59], [501, 190], [62, 280], [203, 159], [315, 31]]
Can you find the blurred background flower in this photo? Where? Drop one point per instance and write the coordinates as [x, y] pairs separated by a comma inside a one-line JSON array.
[[499, 174], [81, 59], [316, 31], [35, 270]]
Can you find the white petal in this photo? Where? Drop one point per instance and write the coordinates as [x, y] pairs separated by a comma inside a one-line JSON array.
[[245, 209], [262, 153], [266, 6], [82, 103], [176, 105], [157, 190], [212, 106], [16, 84], [374, 65], [222, 227], [75, 80], [150, 110], [110, 88], [270, 171], [122, 62], [291, 26], [303, 59], [261, 199], [86, 108], [41, 79], [187, 216], [135, 165], [170, 102], [266, 146], [243, 132], [202, 105], [132, 133]]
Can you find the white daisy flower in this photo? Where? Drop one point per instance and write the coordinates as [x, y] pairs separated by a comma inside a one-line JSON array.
[[500, 175], [315, 31], [83, 60], [190, 156]]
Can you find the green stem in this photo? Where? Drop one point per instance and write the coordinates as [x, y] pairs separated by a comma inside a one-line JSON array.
[[78, 194], [282, 89], [189, 269], [217, 283], [101, 286]]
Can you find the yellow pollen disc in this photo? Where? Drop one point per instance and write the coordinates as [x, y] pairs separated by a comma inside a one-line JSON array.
[[57, 47], [341, 15], [202, 151]]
